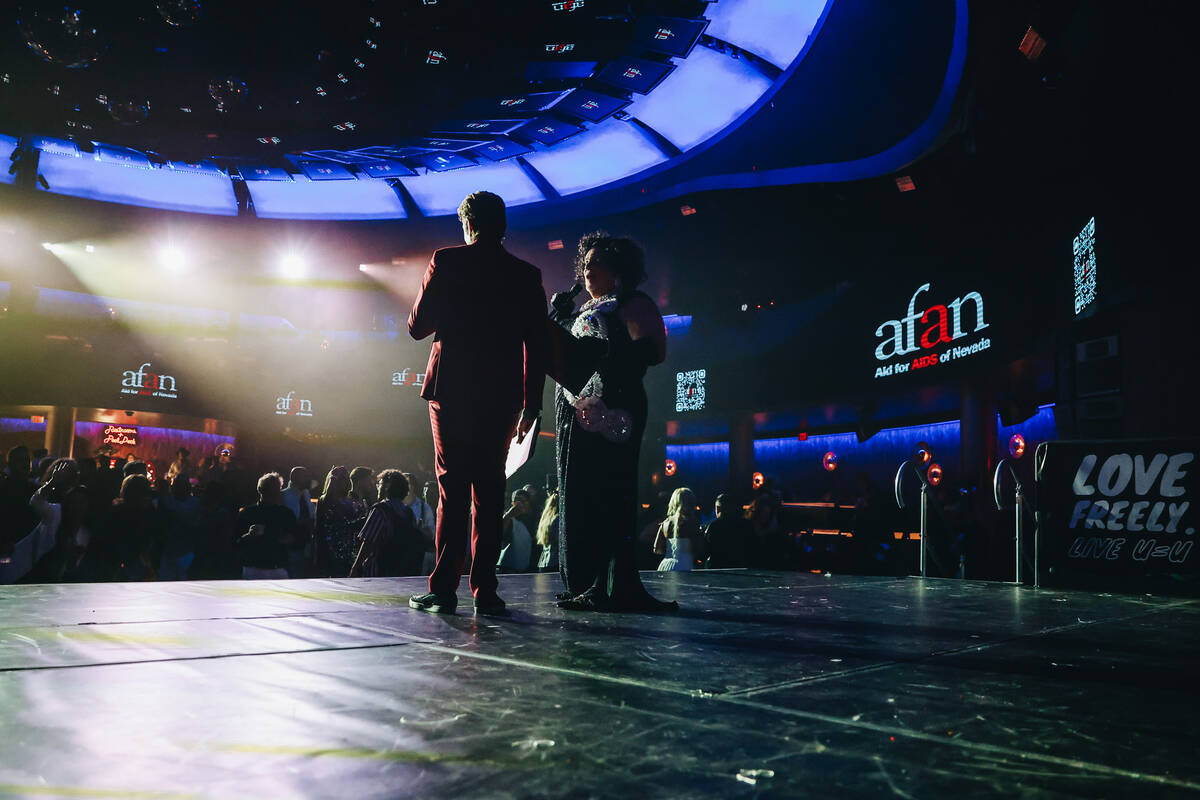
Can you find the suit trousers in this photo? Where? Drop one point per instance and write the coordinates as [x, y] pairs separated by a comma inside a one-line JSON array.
[[470, 444]]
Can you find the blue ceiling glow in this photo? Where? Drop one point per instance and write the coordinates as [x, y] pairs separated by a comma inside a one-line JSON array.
[[302, 198], [729, 87], [502, 149], [7, 145], [20, 425], [611, 151], [704, 468], [324, 170], [775, 30], [440, 193], [791, 460], [154, 188], [1041, 427]]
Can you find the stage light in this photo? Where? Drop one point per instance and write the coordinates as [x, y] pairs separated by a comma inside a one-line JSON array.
[[905, 183], [934, 474], [363, 267], [293, 266], [47, 246], [830, 461], [172, 258], [757, 480], [1016, 445], [923, 453], [90, 248], [670, 467]]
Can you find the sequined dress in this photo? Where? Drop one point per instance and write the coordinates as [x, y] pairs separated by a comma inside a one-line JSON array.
[[599, 437]]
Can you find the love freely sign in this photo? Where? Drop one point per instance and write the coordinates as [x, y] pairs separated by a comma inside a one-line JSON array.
[[1117, 510]]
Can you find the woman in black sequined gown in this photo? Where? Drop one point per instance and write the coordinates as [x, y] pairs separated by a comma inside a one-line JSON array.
[[599, 431]]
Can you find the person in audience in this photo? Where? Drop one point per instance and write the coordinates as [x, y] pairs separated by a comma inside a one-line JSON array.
[[768, 543], [362, 489], [131, 534], [181, 518], [336, 536], [264, 532], [215, 558], [547, 535], [296, 498], [727, 535], [515, 539], [133, 466], [72, 534], [180, 466], [17, 519], [426, 521], [390, 545], [678, 539]]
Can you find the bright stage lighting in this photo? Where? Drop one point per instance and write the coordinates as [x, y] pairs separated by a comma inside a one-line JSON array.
[[47, 246], [172, 258], [89, 248], [292, 266], [363, 267]]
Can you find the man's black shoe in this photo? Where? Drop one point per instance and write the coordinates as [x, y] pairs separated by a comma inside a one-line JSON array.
[[434, 603], [490, 607]]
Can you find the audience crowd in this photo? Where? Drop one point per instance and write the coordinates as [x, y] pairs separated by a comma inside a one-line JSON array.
[[115, 521]]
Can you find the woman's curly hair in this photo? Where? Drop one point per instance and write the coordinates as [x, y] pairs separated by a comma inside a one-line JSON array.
[[623, 255]]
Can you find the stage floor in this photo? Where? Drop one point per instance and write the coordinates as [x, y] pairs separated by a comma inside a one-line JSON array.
[[764, 684]]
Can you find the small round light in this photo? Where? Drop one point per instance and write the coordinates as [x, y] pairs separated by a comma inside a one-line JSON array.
[[670, 467], [758, 480], [830, 461], [934, 474], [923, 453], [1016, 445], [293, 266]]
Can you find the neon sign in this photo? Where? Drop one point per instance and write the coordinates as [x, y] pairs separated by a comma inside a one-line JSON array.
[[559, 48], [120, 435], [148, 384], [291, 406], [898, 337]]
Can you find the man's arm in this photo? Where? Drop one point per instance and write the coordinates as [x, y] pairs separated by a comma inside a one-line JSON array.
[[422, 320], [537, 346]]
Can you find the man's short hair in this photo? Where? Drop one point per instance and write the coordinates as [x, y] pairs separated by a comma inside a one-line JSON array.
[[134, 467], [485, 212], [270, 484], [393, 484], [521, 493], [723, 499]]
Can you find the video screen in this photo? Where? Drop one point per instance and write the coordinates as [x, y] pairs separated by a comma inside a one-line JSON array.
[[671, 35], [590, 105], [635, 74]]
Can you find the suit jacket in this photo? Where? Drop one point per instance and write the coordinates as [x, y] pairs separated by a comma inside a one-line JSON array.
[[486, 310]]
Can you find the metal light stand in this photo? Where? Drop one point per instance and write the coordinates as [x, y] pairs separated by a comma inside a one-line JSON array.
[[1019, 504], [924, 504]]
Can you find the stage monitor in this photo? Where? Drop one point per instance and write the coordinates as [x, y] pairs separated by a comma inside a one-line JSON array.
[[560, 70], [324, 171], [589, 105], [1084, 250], [442, 162], [548, 131], [502, 149], [671, 35], [634, 74]]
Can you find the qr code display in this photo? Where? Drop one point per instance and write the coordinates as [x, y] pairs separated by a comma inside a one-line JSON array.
[[1085, 266], [689, 390]]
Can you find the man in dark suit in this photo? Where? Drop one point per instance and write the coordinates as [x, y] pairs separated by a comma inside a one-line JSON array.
[[487, 312]]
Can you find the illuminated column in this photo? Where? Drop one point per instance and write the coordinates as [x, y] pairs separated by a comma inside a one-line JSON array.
[[60, 431]]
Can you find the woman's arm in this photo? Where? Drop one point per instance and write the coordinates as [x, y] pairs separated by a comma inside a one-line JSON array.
[[660, 540], [644, 322]]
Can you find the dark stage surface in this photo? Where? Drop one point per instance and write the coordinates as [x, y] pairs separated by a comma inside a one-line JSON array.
[[765, 684]]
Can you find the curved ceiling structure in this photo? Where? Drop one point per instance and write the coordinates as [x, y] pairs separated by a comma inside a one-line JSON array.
[[753, 92]]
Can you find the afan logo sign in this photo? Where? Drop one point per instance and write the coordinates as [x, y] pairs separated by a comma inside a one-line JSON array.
[[632, 72], [291, 406], [898, 337], [406, 377], [516, 101], [559, 48], [664, 33], [567, 5], [147, 384]]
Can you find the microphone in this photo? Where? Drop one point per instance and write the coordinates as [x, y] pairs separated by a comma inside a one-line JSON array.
[[563, 303]]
